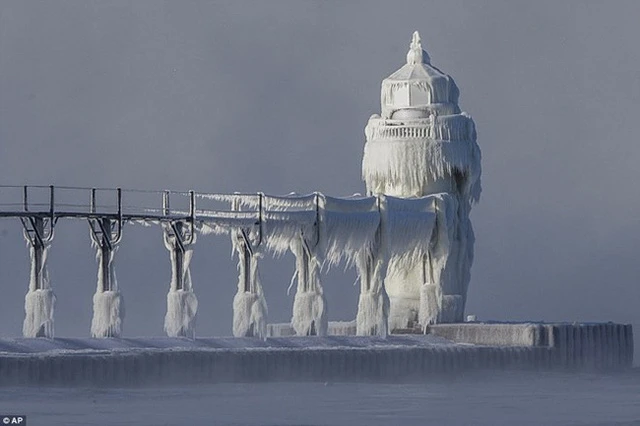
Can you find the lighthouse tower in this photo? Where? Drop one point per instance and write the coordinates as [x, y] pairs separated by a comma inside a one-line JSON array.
[[423, 145]]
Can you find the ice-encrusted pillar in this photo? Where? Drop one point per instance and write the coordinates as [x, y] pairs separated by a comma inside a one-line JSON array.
[[422, 144], [373, 303], [249, 304], [371, 263], [309, 303], [39, 303], [108, 304], [310, 316], [182, 304], [40, 299]]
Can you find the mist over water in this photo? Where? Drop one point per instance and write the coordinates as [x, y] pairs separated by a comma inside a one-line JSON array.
[[497, 398]]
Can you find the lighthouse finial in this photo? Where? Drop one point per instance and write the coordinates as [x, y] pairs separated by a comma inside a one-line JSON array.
[[415, 41], [416, 55]]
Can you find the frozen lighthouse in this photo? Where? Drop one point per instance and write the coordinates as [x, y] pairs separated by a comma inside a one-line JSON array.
[[409, 240], [423, 145]]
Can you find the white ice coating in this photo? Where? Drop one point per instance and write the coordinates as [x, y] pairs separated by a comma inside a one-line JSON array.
[[373, 303], [108, 304], [423, 145], [355, 230], [321, 232], [309, 303], [38, 306], [182, 304], [249, 314], [410, 227], [249, 303], [40, 300]]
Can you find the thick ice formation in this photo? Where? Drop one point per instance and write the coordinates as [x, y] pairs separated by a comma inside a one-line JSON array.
[[409, 227], [422, 145], [182, 304], [249, 304], [373, 303], [108, 313], [309, 304], [108, 304], [38, 320], [40, 300], [321, 232]]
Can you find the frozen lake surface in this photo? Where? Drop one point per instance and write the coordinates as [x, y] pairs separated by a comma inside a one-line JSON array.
[[504, 398]]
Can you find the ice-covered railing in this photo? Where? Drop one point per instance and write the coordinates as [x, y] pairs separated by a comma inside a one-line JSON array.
[[69, 202], [319, 230], [455, 127]]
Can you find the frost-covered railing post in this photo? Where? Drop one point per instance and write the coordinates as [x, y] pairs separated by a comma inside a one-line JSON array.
[[40, 299], [108, 306], [309, 303], [179, 238], [249, 304]]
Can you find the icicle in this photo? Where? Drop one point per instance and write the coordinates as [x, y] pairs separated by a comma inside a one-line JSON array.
[[347, 227], [182, 304], [408, 167], [220, 223], [282, 228], [180, 320], [108, 312], [40, 299], [38, 306]]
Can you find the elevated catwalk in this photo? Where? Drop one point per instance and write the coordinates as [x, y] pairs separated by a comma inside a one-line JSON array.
[[411, 357]]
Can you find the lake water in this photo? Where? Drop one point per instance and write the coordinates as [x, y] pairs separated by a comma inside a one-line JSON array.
[[500, 398]]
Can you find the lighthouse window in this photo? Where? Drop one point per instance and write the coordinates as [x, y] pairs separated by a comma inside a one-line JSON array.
[[401, 96], [419, 96]]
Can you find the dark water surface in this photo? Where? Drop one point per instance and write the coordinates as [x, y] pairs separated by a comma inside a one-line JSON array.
[[473, 399]]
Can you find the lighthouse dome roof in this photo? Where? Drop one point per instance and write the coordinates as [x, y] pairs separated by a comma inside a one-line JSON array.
[[418, 85]]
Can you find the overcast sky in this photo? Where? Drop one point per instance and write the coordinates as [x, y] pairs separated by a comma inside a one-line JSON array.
[[274, 96]]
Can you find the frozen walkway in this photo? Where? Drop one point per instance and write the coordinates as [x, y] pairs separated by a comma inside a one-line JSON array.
[[60, 346]]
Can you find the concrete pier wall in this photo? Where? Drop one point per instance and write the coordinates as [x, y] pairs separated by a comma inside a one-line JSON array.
[[447, 349], [281, 364], [574, 345]]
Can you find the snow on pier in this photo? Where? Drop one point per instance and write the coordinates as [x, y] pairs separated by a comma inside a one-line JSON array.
[[131, 361], [153, 361]]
